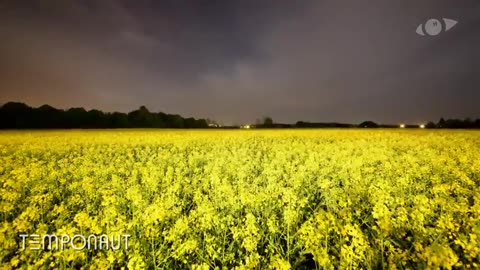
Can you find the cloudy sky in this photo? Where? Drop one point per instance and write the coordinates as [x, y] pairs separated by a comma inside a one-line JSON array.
[[236, 61]]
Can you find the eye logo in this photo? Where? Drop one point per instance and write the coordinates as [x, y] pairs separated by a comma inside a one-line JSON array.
[[434, 27]]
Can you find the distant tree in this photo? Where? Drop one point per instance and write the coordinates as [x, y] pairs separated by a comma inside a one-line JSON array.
[[16, 107], [175, 121], [162, 119], [201, 123], [157, 121], [118, 120], [194, 123], [189, 122], [301, 124], [47, 117], [141, 117], [454, 123], [368, 124], [3, 119], [16, 115], [267, 121], [468, 123], [76, 118], [96, 119], [430, 125], [477, 123], [441, 123]]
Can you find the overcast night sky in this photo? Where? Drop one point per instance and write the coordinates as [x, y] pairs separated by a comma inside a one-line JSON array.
[[236, 61]]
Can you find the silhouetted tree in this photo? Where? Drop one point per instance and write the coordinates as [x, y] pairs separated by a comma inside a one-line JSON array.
[[430, 125], [441, 123], [457, 123], [140, 118], [175, 121], [119, 120], [47, 117], [201, 123], [453, 123], [368, 124], [267, 121], [16, 115], [301, 124], [468, 123], [189, 122], [76, 118], [96, 119]]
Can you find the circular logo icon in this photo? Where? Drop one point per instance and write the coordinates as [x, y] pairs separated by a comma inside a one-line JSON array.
[[433, 27]]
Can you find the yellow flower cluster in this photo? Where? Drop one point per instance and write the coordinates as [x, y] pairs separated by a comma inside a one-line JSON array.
[[210, 199]]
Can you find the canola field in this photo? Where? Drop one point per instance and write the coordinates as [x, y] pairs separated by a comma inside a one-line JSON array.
[[244, 199]]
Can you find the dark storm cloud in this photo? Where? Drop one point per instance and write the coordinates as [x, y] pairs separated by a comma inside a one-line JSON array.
[[236, 61]]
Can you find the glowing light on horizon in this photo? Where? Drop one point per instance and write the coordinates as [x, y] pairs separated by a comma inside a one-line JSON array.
[[402, 126]]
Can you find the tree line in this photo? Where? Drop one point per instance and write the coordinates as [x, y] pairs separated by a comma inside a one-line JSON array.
[[442, 123], [16, 115]]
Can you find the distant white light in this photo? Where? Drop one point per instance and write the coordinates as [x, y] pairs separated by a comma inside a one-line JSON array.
[[422, 126], [402, 126]]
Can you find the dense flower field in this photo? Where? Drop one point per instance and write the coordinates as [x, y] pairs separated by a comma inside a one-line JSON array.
[[243, 199]]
